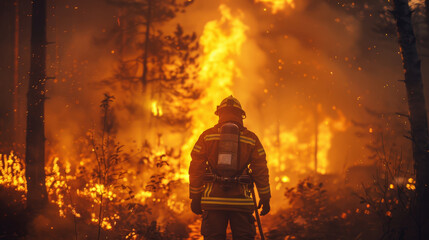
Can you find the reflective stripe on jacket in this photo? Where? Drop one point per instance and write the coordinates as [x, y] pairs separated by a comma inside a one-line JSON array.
[[235, 196]]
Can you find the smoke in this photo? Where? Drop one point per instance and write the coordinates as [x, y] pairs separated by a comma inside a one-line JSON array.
[[313, 61]]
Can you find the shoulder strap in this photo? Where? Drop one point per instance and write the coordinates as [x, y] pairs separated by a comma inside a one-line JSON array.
[[240, 172]]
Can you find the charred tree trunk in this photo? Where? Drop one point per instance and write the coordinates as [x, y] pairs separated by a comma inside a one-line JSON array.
[[146, 43], [417, 110], [35, 136], [16, 73]]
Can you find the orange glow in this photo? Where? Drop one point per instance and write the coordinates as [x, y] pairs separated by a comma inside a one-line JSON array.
[[278, 5], [156, 109], [221, 41], [12, 172], [291, 151], [287, 151]]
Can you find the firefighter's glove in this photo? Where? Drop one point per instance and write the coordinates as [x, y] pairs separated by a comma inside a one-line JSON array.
[[265, 204], [196, 206]]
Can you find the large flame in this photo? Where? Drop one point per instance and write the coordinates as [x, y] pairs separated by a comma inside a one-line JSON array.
[[221, 41], [287, 150], [293, 150]]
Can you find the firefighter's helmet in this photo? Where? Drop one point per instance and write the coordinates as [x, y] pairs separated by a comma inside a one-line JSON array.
[[230, 103]]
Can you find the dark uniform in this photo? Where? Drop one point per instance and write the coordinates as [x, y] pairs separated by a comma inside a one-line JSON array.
[[234, 202]]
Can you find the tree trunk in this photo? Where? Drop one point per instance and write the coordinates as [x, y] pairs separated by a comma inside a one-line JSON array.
[[16, 74], [316, 136], [35, 135], [146, 43], [417, 110], [427, 13]]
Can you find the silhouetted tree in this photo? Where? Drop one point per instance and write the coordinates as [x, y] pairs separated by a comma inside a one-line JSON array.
[[35, 135], [417, 110], [7, 67], [147, 55], [147, 15]]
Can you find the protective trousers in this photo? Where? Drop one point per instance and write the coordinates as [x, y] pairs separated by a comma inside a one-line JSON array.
[[215, 223]]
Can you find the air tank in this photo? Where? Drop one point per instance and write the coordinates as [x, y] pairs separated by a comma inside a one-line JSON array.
[[227, 163]]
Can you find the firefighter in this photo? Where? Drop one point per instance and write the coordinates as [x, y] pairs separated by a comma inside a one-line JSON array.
[[226, 160]]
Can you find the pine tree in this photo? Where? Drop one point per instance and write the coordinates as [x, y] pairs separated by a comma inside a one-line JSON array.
[[162, 64]]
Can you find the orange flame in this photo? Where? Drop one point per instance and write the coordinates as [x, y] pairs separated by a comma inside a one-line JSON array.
[[12, 172], [156, 109], [289, 152], [277, 5], [222, 41]]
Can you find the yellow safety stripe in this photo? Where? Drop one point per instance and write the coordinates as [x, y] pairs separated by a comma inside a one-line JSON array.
[[247, 140], [261, 151], [227, 201], [264, 190], [197, 148], [211, 137], [208, 189]]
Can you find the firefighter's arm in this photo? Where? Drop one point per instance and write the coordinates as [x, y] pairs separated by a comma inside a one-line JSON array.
[[197, 169], [259, 171]]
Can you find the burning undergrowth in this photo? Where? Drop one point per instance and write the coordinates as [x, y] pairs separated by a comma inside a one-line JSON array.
[[302, 88], [134, 195]]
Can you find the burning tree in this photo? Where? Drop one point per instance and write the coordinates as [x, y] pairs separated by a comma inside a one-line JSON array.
[[167, 81]]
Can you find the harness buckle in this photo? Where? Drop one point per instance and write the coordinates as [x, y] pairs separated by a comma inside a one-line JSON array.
[[242, 179]]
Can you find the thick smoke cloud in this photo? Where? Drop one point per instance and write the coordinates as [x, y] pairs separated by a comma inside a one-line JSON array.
[[315, 57]]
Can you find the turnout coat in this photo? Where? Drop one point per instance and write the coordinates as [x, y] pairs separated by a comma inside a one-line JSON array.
[[237, 197]]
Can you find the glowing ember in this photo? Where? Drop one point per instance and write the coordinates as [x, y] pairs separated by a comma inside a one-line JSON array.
[[277, 5]]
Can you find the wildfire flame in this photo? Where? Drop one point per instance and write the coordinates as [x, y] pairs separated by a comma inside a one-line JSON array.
[[289, 153], [277, 5], [156, 109], [222, 41], [12, 172]]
